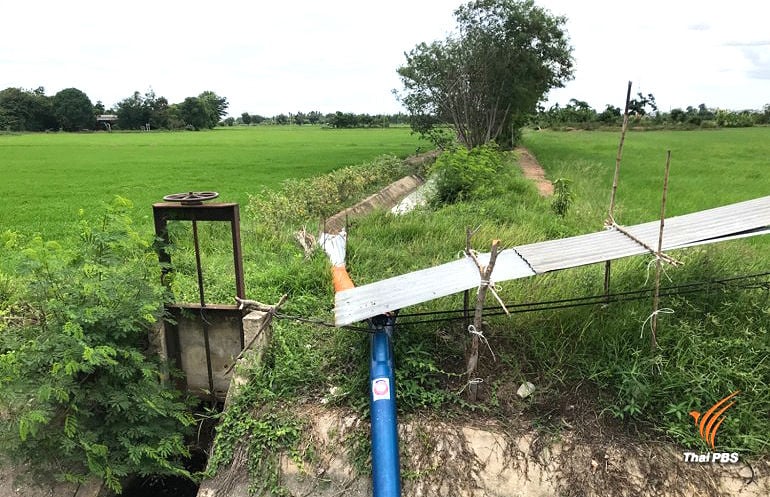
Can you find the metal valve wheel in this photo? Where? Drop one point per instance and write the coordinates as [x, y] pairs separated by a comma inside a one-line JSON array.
[[191, 198]]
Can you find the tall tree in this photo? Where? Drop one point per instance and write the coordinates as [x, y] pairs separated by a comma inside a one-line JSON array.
[[156, 110], [487, 78], [22, 110], [73, 110], [246, 118], [132, 112], [216, 107], [638, 106], [194, 112]]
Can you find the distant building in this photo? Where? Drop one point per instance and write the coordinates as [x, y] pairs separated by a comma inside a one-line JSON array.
[[106, 121]]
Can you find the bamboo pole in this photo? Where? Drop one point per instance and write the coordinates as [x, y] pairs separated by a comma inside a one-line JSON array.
[[473, 358], [611, 212]]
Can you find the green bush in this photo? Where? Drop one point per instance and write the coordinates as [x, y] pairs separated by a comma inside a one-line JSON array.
[[563, 197], [731, 119], [462, 174], [80, 396], [301, 200]]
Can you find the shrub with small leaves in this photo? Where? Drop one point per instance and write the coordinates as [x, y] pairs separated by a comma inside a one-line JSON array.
[[463, 174], [301, 200], [562, 197], [81, 397]]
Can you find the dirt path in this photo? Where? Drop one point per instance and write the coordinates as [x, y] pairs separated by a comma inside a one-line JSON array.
[[532, 170]]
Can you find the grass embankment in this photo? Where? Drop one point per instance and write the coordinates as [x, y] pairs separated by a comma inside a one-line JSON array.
[[716, 341], [46, 178]]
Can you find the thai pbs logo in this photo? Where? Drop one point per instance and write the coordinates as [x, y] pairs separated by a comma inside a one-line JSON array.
[[708, 424]]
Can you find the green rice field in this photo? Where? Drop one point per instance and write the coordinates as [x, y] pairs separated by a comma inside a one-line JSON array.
[[708, 168], [46, 178]]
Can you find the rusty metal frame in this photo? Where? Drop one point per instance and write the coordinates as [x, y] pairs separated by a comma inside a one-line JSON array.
[[227, 212], [220, 212]]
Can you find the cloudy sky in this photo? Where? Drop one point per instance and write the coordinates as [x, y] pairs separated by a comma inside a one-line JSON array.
[[273, 57]]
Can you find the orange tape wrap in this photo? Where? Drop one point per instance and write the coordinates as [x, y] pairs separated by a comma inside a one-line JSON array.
[[341, 279]]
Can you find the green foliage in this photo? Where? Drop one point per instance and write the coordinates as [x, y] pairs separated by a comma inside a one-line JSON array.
[[575, 113], [81, 398], [638, 106], [610, 115], [138, 111], [731, 119], [462, 174], [268, 432], [23, 110], [259, 419], [487, 79], [215, 108], [646, 115], [73, 110], [562, 196], [301, 201]]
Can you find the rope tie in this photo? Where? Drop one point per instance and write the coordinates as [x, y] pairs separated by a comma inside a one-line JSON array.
[[472, 381], [494, 288], [664, 310], [473, 331], [663, 256]]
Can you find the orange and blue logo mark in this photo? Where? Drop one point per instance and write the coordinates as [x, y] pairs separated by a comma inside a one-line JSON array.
[[710, 421]]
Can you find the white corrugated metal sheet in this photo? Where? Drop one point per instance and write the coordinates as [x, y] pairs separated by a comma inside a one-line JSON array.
[[402, 291], [739, 220], [679, 232]]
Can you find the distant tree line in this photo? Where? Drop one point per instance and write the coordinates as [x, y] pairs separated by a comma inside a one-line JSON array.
[[643, 111], [72, 110], [333, 120]]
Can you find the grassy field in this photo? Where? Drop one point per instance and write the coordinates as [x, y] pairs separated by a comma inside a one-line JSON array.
[[591, 365], [708, 168], [46, 178]]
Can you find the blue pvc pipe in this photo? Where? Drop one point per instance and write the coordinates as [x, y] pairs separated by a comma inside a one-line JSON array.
[[386, 474]]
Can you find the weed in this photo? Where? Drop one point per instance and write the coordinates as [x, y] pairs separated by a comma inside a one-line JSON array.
[[563, 197]]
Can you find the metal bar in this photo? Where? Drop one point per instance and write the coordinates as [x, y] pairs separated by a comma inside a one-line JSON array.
[[656, 299], [207, 345], [198, 267], [235, 228], [607, 271], [205, 212], [386, 473], [204, 321], [161, 232], [466, 311]]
